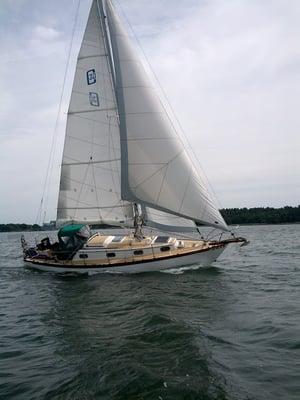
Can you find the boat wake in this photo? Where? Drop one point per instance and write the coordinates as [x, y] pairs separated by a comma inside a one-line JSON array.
[[181, 270]]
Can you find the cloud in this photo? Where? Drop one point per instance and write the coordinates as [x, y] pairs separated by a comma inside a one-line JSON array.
[[230, 69], [45, 33], [31, 75]]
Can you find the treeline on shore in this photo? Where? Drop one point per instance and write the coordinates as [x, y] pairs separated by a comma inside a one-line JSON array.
[[233, 216], [261, 215], [19, 228]]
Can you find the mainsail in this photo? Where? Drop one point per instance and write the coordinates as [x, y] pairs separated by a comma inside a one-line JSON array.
[[121, 146], [90, 188]]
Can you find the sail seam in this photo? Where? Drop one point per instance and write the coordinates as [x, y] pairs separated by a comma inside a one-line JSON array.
[[95, 120], [86, 205], [114, 207], [92, 56], [149, 164], [141, 139], [90, 208], [90, 111], [104, 99], [102, 73], [112, 152], [87, 43], [141, 113], [138, 86], [90, 162], [185, 191], [88, 142], [96, 190], [162, 183], [151, 176], [81, 189], [156, 172], [92, 186], [100, 168]]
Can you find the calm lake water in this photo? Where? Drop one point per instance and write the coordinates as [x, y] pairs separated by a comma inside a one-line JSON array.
[[231, 331]]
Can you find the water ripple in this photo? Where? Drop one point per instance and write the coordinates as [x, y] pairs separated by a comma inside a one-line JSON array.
[[229, 332]]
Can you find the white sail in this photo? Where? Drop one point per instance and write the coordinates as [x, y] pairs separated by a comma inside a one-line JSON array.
[[90, 189], [156, 170], [167, 222]]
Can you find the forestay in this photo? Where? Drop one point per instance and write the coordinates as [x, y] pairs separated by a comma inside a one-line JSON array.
[[156, 170]]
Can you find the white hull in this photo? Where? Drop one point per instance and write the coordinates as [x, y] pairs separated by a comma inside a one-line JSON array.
[[203, 258]]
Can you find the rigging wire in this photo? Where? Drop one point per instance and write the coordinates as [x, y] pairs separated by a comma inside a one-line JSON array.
[[45, 192]]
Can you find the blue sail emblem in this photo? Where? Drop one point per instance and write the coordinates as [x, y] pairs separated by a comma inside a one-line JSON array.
[[94, 99], [91, 77]]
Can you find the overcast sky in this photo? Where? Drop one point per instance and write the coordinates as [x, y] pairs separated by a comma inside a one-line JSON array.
[[230, 68]]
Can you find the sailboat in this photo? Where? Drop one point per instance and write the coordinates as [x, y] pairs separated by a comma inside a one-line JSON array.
[[125, 165]]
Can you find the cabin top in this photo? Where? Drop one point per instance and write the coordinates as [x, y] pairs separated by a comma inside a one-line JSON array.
[[118, 241]]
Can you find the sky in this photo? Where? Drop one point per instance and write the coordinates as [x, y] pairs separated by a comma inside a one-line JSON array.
[[231, 71]]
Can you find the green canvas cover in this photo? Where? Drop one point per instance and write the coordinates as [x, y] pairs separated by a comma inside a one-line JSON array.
[[69, 230]]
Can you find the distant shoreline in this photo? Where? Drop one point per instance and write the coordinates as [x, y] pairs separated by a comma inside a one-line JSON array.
[[261, 215], [233, 216]]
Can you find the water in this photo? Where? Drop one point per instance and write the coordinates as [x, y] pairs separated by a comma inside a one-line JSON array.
[[226, 332]]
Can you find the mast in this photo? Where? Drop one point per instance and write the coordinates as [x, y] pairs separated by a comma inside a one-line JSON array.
[[120, 102], [138, 223], [137, 216], [103, 21]]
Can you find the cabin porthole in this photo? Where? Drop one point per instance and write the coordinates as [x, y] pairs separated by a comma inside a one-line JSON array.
[[111, 255], [165, 248], [138, 252], [84, 256]]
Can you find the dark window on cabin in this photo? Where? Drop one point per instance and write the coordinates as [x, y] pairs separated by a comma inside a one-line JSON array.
[[111, 255], [162, 239], [138, 252], [117, 239], [83, 256], [165, 248]]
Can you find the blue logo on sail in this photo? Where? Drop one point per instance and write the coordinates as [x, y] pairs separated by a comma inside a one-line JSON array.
[[91, 77], [94, 99]]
